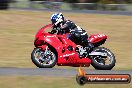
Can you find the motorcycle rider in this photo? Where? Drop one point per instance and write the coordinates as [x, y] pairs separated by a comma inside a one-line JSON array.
[[76, 34]]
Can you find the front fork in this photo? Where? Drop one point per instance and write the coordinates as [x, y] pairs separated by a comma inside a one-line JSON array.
[[44, 53]]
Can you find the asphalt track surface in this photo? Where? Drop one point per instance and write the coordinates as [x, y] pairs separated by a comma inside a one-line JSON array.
[[54, 72], [60, 72], [127, 13]]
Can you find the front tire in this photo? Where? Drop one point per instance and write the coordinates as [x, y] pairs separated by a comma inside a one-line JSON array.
[[100, 64], [43, 60]]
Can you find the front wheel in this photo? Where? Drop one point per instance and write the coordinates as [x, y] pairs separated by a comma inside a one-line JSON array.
[[103, 63], [43, 58]]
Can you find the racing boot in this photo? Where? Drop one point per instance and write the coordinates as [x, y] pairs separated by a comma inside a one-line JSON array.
[[89, 47]]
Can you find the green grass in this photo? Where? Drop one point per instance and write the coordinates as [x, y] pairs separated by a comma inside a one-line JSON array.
[[17, 30], [50, 82]]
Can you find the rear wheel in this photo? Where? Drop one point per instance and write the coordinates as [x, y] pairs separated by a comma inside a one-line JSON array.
[[43, 58], [103, 63]]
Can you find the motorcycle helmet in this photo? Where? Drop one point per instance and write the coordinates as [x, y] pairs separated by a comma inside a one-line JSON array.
[[57, 18]]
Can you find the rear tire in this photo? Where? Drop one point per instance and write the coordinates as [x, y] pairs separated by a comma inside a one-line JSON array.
[[39, 63], [110, 55]]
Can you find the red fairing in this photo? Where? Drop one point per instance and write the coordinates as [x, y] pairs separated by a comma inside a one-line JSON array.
[[39, 37], [41, 31], [97, 38]]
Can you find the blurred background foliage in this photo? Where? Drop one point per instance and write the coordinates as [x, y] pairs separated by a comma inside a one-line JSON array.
[[70, 4], [93, 1]]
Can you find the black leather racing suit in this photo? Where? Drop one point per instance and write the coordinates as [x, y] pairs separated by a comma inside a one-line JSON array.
[[76, 34]]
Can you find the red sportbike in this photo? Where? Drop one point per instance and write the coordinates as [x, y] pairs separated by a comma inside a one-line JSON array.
[[56, 49]]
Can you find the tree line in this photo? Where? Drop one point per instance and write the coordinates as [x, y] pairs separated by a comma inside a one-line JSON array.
[[93, 1], [101, 1]]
